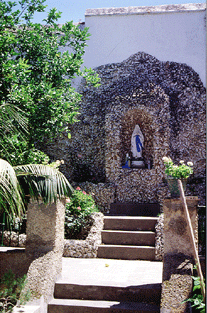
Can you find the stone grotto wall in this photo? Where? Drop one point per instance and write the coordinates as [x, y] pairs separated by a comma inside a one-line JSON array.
[[166, 99]]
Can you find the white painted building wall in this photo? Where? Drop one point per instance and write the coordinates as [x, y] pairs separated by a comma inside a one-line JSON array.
[[170, 33]]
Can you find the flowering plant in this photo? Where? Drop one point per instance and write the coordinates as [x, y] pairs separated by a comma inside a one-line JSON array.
[[78, 212], [177, 171]]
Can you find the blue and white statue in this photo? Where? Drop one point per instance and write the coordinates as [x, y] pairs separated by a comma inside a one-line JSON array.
[[137, 145]]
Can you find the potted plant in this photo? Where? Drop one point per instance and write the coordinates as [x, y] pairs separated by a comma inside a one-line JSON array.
[[175, 172]]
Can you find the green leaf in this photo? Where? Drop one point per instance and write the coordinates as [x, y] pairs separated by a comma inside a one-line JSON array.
[[44, 181], [196, 287], [10, 191]]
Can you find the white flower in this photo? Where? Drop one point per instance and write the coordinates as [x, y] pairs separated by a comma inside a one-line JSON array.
[[166, 159], [190, 163], [181, 161]]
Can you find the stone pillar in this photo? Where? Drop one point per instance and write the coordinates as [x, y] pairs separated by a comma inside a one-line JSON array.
[[44, 247], [45, 227], [178, 254]]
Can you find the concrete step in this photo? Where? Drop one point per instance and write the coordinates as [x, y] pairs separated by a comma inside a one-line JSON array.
[[148, 293], [130, 223], [136, 238], [126, 252], [97, 306]]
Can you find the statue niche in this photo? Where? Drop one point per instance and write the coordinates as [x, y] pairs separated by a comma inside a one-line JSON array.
[[137, 140]]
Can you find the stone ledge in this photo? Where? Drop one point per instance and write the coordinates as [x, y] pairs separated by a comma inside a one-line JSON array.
[[26, 309], [12, 249], [172, 8]]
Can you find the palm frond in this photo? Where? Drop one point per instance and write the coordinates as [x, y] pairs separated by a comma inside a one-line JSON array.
[[44, 181], [10, 191], [11, 118], [12, 123]]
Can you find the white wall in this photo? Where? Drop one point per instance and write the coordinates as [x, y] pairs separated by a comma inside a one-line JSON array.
[[178, 36]]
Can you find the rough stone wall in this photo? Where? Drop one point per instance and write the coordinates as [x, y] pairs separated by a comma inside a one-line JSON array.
[[166, 99], [159, 238], [103, 194], [12, 239]]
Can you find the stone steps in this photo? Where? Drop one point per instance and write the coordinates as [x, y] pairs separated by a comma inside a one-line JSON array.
[[149, 293], [136, 238], [128, 238], [100, 285], [117, 286], [126, 252], [101, 291], [143, 223], [89, 306]]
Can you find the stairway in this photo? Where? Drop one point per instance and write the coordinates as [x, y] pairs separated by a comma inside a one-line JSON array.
[[129, 237], [118, 286]]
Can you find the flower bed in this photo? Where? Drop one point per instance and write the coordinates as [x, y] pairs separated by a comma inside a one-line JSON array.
[[86, 248]]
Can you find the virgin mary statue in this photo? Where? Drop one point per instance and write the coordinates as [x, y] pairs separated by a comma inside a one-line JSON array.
[[137, 145]]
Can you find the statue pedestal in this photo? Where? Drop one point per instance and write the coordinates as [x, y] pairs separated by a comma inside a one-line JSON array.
[[138, 164]]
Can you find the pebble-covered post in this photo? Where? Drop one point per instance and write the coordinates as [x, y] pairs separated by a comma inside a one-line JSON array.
[[44, 246], [178, 254]]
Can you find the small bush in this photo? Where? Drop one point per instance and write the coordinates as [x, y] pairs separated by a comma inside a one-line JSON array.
[[78, 214], [10, 289]]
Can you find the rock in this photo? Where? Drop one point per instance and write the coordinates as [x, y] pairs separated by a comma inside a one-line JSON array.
[[12, 239]]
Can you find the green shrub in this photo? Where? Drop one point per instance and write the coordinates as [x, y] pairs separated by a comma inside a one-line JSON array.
[[10, 289], [197, 301], [78, 214], [17, 151]]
